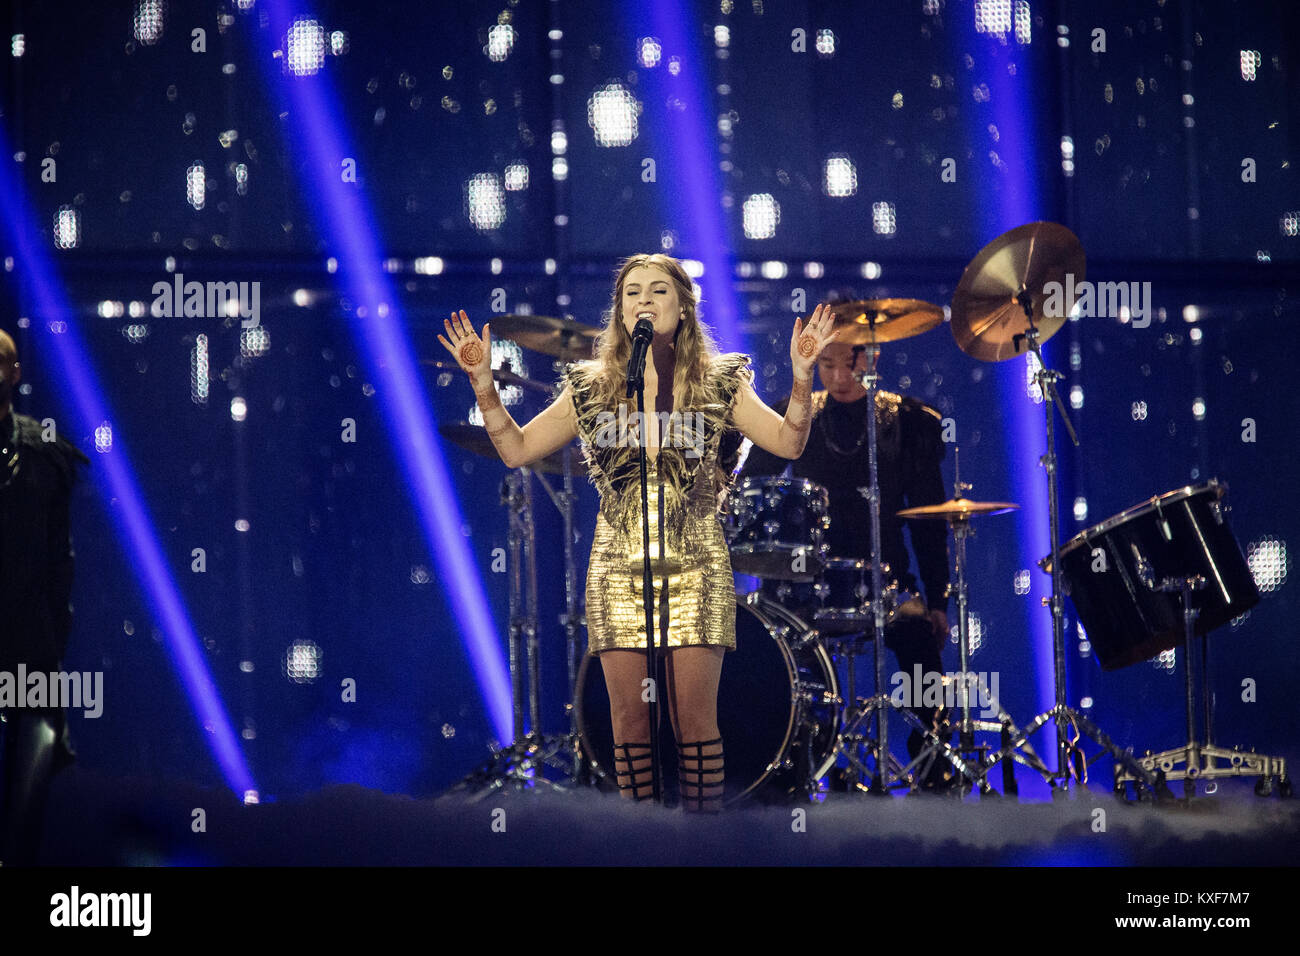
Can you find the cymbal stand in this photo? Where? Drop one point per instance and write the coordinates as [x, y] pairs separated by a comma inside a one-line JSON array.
[[1070, 759], [977, 774], [852, 743], [888, 771], [1201, 760], [530, 751], [571, 618]]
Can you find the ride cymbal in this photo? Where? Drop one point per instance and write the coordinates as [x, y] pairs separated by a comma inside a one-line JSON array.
[[560, 338], [869, 321]]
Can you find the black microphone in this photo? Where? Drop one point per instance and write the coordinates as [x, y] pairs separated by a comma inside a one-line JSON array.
[[641, 337]]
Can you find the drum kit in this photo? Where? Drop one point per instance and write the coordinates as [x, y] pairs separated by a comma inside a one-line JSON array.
[[1147, 580]]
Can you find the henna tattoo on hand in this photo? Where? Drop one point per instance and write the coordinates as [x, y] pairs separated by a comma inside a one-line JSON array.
[[807, 345], [470, 354], [488, 399], [499, 430], [798, 414]]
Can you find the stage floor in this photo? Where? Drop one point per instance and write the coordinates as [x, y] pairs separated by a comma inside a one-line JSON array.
[[100, 821]]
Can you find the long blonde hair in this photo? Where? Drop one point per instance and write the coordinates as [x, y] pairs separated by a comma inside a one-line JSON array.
[[695, 346]]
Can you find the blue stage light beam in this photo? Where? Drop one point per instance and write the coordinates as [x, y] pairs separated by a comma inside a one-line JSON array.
[[1010, 196], [345, 220], [1002, 138], [114, 477], [696, 209]]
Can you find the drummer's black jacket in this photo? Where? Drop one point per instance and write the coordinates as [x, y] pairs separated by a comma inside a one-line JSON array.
[[910, 443], [35, 545]]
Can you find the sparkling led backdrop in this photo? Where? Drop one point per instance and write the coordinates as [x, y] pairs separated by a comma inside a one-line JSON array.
[[501, 157]]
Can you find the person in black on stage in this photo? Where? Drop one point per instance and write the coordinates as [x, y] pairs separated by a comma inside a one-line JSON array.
[[910, 447], [36, 479]]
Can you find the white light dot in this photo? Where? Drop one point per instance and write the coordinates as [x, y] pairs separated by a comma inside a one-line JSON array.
[[760, 215], [649, 52], [516, 177], [1269, 562], [485, 201], [501, 40], [612, 114], [883, 219], [839, 176], [1250, 61], [305, 46]]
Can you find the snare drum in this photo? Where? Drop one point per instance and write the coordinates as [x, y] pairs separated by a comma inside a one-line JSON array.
[[1179, 534], [775, 528]]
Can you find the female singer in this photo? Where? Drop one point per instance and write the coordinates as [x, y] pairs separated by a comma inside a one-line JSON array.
[[692, 396]]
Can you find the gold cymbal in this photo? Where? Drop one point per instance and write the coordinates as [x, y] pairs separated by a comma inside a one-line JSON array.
[[959, 509], [988, 320], [474, 438], [869, 321], [561, 338]]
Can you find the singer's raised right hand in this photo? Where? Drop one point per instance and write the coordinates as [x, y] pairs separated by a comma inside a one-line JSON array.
[[473, 355]]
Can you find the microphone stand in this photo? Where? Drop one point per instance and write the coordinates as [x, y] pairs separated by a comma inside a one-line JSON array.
[[637, 381]]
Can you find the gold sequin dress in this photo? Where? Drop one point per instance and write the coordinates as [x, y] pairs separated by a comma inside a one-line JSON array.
[[694, 592]]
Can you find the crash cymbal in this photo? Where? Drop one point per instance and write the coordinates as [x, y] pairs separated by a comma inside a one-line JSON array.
[[959, 509], [473, 438], [561, 338], [498, 374], [988, 321], [870, 321]]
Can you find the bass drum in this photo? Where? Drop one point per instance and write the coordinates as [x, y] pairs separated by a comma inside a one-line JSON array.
[[778, 708]]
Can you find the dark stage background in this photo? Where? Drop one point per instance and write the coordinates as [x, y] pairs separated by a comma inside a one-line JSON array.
[[1138, 149]]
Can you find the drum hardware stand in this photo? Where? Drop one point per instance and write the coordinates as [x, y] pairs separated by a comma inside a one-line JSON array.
[[871, 382], [888, 770], [851, 738], [530, 751], [571, 618], [978, 755], [1200, 760], [1068, 754]]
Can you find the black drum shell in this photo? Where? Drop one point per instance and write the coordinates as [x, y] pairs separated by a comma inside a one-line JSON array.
[[776, 709], [1181, 533], [773, 525]]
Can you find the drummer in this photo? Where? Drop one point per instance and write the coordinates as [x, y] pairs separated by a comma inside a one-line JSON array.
[[910, 448]]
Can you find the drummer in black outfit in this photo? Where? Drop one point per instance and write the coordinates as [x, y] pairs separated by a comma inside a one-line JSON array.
[[910, 447]]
